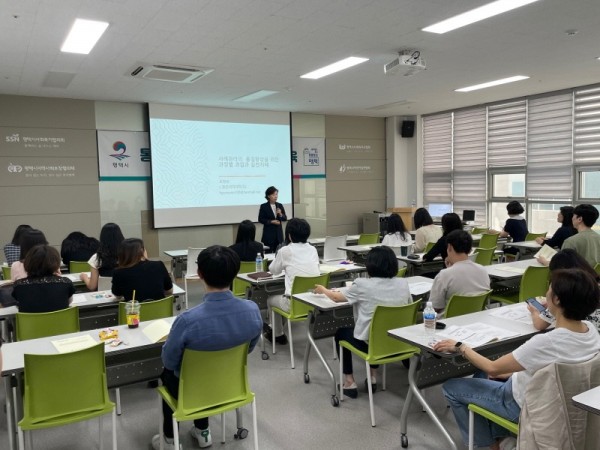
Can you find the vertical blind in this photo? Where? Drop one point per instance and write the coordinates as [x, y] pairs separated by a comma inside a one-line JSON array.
[[586, 146], [437, 158]]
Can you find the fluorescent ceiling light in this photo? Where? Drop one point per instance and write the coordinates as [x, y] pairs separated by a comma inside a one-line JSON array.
[[477, 14], [83, 36], [492, 83], [255, 96], [333, 68]]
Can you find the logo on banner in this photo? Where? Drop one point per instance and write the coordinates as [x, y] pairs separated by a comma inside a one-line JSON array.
[[13, 168], [354, 169], [120, 148], [311, 157]]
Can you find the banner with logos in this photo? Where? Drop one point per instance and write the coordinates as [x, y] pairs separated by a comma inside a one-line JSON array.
[[308, 157], [123, 156]]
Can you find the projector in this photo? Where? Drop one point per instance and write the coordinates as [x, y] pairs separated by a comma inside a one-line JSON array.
[[408, 63]]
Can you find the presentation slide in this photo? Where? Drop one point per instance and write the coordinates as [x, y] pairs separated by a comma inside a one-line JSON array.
[[212, 166]]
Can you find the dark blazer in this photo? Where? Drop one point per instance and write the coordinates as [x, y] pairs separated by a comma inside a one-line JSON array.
[[272, 234]]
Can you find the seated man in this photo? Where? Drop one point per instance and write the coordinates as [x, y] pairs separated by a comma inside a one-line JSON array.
[[462, 276], [222, 321], [296, 258], [586, 242]]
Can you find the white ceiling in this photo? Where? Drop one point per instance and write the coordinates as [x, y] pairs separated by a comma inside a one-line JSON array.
[[267, 44]]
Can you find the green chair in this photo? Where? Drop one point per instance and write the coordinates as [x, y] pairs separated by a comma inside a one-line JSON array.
[[240, 286], [504, 423], [466, 304], [484, 255], [65, 388], [597, 268], [155, 309], [534, 236], [534, 283], [428, 247], [480, 230], [488, 240], [368, 238], [298, 310], [6, 272], [78, 266], [37, 325], [205, 393], [402, 272], [382, 348]]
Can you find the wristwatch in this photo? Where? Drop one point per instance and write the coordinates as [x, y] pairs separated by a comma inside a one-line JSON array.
[[457, 346]]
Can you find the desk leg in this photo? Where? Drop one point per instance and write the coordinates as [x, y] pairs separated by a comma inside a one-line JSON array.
[[414, 391], [10, 412], [335, 401]]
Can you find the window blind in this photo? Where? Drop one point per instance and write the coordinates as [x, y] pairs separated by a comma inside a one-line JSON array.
[[507, 134], [549, 148], [587, 126], [437, 158]]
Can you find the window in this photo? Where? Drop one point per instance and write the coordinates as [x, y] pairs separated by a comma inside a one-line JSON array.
[[543, 218], [508, 185], [588, 184]]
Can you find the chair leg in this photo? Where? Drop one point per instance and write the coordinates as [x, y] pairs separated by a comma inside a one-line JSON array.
[[186, 290], [222, 428], [21, 439], [273, 329], [370, 386], [100, 428], [384, 376], [175, 434], [255, 424], [471, 430], [341, 385], [161, 436], [333, 347], [291, 344], [114, 430], [118, 400]]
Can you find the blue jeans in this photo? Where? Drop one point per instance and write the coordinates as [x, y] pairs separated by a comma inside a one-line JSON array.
[[495, 396]]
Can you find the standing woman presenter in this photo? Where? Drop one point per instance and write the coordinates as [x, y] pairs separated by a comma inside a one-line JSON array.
[[271, 214]]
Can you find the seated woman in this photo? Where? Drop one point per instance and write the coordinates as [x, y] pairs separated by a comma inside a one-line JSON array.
[[245, 245], [515, 226], [565, 259], [78, 247], [426, 230], [103, 263], [450, 222], [573, 295], [149, 279], [565, 231], [12, 250], [397, 234], [30, 239], [44, 290], [381, 288]]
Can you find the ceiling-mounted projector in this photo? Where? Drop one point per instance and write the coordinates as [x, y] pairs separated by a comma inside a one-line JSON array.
[[408, 63]]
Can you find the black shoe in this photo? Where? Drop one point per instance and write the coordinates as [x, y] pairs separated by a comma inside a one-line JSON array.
[[281, 340], [349, 392], [373, 386], [268, 335], [266, 328], [152, 384]]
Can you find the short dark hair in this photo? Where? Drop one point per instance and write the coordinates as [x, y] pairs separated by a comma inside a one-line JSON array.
[[568, 258], [42, 260], [218, 266], [30, 239], [514, 207], [451, 222], [422, 218], [298, 230], [460, 240], [567, 213], [130, 252], [382, 262], [395, 224], [588, 213], [246, 232], [270, 190], [577, 291], [19, 232]]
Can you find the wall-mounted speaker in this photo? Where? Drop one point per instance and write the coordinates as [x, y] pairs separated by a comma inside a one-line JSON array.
[[407, 130]]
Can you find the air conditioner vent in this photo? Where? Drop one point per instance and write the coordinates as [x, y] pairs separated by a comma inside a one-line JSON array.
[[167, 72]]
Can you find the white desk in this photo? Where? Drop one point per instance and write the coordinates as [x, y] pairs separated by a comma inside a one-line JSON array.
[[588, 400], [526, 248], [427, 371], [319, 242], [417, 266], [137, 360], [509, 270], [328, 316]]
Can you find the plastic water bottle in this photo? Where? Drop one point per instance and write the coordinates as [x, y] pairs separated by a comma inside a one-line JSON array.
[[429, 316], [259, 262]]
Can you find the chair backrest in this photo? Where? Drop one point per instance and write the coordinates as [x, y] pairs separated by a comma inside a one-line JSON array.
[[473, 256], [368, 238], [239, 286], [488, 240], [330, 248], [227, 379], [597, 268], [6, 272], [65, 383], [37, 325], [484, 255], [156, 309], [479, 230], [78, 266], [387, 318], [429, 246], [402, 272], [305, 284], [104, 283], [466, 304], [534, 282], [192, 266], [533, 236]]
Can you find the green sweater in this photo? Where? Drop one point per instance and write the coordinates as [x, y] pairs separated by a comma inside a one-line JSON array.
[[587, 244]]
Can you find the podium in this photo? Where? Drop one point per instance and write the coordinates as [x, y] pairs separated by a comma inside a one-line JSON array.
[[406, 213]]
